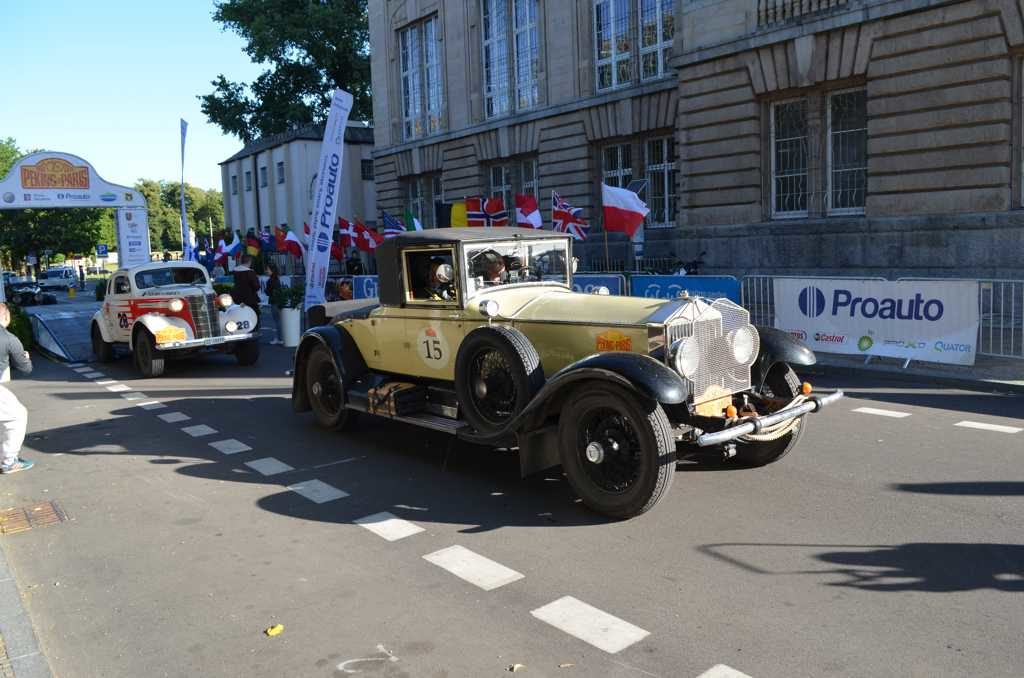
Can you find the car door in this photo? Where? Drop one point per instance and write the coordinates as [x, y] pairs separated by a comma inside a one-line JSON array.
[[117, 308], [433, 327]]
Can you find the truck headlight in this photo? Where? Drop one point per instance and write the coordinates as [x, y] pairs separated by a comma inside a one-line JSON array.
[[175, 305], [687, 357], [225, 300], [741, 342]]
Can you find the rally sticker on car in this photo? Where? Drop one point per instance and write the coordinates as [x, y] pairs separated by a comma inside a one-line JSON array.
[[169, 334], [433, 348], [613, 340]]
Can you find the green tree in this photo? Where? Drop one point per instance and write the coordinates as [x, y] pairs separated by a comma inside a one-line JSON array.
[[311, 47], [9, 155]]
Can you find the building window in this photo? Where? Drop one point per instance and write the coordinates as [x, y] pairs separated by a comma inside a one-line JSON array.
[[280, 172], [366, 169], [421, 79], [263, 177], [511, 55], [501, 184], [234, 184], [617, 165], [248, 181], [528, 177], [660, 162], [612, 43], [438, 188], [789, 158], [657, 26], [847, 126], [415, 198]]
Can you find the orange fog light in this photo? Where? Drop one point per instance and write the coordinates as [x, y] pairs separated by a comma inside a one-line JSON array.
[[730, 412], [805, 388]]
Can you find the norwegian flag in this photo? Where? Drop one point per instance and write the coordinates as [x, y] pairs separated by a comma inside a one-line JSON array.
[[349, 234], [566, 219], [486, 212]]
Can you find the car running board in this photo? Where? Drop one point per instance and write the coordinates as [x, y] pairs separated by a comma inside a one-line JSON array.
[[422, 419]]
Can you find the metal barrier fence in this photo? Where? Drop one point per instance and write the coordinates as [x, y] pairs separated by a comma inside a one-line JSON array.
[[1000, 302]]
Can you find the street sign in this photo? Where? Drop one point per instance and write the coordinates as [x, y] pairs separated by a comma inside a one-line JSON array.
[[101, 250]]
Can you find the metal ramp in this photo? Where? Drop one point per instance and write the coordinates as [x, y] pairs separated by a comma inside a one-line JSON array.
[[63, 330]]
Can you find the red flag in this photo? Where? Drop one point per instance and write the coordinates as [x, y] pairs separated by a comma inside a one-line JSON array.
[[527, 212], [475, 215], [368, 240], [624, 211], [279, 235], [497, 215], [348, 232], [292, 244]]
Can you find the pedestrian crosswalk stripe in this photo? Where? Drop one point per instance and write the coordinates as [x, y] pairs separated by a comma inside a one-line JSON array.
[[389, 526], [93, 375], [473, 567], [589, 624], [154, 405], [882, 413], [105, 382], [998, 428], [134, 395], [119, 388], [722, 671], [318, 491], [199, 430], [268, 466], [173, 417], [230, 446]]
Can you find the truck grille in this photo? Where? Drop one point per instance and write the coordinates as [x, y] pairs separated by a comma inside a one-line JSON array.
[[718, 374], [204, 314]]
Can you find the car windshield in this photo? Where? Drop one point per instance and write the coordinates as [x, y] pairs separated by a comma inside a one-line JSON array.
[[162, 277], [521, 261]]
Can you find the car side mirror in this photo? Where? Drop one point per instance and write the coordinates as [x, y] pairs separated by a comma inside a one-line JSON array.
[[445, 273]]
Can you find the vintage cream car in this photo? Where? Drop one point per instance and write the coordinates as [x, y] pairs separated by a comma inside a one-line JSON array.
[[477, 333], [166, 310]]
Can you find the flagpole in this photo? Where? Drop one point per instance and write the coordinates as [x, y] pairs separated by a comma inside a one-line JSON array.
[[607, 259]]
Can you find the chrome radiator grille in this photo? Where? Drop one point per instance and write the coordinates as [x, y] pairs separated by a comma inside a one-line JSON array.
[[204, 315], [718, 373]]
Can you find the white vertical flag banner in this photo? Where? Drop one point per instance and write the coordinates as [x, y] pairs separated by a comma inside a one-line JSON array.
[[325, 203], [186, 241]]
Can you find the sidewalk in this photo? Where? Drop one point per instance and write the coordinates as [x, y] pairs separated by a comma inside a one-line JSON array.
[[1005, 375]]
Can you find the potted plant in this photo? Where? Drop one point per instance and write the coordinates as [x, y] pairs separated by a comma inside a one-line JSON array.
[[289, 300]]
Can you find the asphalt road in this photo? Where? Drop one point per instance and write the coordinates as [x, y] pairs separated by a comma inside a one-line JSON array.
[[884, 546]]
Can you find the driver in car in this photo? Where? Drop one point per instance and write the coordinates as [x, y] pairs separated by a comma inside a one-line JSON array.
[[434, 283], [493, 265]]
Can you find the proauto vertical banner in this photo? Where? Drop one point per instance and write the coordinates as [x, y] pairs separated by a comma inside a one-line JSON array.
[[325, 203], [132, 236], [186, 241], [933, 320]]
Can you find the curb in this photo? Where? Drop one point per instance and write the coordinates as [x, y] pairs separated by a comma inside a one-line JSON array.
[[984, 385], [22, 655]]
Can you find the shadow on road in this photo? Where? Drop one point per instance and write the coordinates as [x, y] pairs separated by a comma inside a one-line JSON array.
[[988, 488], [996, 405], [927, 567]]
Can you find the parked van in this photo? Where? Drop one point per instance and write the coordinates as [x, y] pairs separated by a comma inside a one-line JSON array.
[[57, 278]]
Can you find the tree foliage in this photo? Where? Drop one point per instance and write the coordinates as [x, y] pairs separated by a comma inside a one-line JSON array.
[[311, 48]]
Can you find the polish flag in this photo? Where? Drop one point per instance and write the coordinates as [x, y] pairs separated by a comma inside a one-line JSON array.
[[293, 244], [527, 212], [624, 211]]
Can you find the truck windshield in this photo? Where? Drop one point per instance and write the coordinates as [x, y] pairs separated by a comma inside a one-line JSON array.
[[161, 277], [508, 263]]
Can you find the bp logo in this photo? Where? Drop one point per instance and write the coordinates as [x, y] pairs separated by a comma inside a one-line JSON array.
[[812, 301], [865, 343]]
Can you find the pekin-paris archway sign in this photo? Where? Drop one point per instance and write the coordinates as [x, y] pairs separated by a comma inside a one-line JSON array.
[[50, 180]]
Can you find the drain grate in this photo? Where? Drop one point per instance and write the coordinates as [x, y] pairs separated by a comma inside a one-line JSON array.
[[24, 518]]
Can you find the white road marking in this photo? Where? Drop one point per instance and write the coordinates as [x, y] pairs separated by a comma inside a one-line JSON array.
[[75, 366], [199, 430], [105, 382], [119, 388], [154, 405], [134, 395], [722, 671], [268, 466], [389, 526], [318, 491], [172, 417], [882, 413], [590, 624], [998, 428], [93, 375], [340, 461], [82, 370], [230, 446], [473, 567]]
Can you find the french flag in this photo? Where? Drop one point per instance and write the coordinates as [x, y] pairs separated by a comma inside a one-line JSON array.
[[624, 211], [527, 212]]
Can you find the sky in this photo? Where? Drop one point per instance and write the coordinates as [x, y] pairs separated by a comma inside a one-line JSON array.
[[109, 80]]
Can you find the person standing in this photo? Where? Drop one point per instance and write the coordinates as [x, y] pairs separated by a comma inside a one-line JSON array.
[[13, 415], [247, 286], [273, 285], [81, 277]]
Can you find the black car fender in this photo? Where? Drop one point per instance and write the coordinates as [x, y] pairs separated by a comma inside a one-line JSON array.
[[348, 361], [778, 347]]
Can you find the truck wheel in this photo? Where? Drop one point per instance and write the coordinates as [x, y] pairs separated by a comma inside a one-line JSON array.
[[617, 450], [325, 391], [146, 356], [103, 350], [782, 383], [247, 352], [497, 373]]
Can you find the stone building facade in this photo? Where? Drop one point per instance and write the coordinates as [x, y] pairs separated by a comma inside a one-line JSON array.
[[779, 136]]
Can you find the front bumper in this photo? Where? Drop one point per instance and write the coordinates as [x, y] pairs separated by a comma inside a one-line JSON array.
[[757, 424], [203, 343]]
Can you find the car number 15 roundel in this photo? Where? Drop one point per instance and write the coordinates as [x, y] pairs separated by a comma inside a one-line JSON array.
[[433, 348]]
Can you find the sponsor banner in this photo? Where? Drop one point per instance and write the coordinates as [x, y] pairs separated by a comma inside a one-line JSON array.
[[671, 286], [48, 180], [364, 287], [932, 320], [132, 236], [586, 282], [325, 203]]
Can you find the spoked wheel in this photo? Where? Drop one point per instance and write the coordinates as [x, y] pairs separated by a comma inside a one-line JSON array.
[[782, 384], [325, 391], [497, 373], [103, 350], [617, 451], [146, 358]]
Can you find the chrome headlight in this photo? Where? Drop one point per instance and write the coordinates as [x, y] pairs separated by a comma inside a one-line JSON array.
[[686, 356], [741, 341], [175, 305], [489, 308], [225, 300]]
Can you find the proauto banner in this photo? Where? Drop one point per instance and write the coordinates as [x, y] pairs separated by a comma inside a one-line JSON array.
[[325, 204], [935, 320]]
